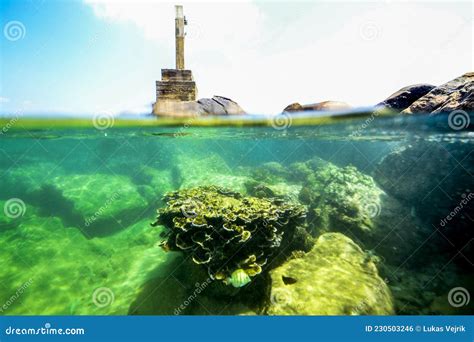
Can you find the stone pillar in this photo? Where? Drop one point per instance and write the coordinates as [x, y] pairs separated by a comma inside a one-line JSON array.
[[180, 21], [176, 92]]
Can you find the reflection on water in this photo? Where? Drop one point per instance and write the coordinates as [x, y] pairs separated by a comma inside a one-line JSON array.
[[388, 223]]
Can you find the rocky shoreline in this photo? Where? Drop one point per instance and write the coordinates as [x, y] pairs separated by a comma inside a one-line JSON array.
[[457, 94]]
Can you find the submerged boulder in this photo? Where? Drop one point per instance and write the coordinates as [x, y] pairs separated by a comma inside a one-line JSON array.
[[97, 204], [22, 181], [403, 98], [232, 236], [190, 171], [335, 278], [435, 180], [457, 94], [339, 199]]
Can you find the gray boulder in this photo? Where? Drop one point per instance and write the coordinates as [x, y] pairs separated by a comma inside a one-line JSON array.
[[457, 94], [403, 98], [217, 105]]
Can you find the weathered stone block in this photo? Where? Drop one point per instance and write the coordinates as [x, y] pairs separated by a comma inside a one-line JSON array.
[[176, 90], [176, 75]]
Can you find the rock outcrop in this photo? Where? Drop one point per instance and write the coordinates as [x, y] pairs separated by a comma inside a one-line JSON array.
[[436, 181], [320, 106], [339, 199], [457, 94], [406, 96], [335, 278], [220, 105], [217, 105]]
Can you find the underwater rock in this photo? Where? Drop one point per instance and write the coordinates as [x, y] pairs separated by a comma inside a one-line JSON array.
[[340, 199], [224, 231], [335, 278], [61, 272], [272, 179], [398, 239], [320, 106], [435, 179], [457, 94], [97, 204], [191, 172], [271, 172], [152, 182], [404, 97], [24, 180], [416, 290], [284, 190]]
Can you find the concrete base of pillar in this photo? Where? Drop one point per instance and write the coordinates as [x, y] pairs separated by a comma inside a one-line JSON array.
[[176, 85], [178, 108]]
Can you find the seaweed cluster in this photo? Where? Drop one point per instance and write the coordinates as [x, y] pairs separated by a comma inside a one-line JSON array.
[[225, 231]]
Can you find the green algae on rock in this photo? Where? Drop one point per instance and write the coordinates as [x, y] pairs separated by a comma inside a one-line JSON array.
[[335, 278], [210, 170], [98, 204], [341, 198], [225, 231]]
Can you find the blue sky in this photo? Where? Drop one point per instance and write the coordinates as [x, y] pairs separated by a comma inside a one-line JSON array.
[[104, 55]]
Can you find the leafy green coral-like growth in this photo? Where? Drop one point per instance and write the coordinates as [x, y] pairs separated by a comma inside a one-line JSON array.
[[225, 231]]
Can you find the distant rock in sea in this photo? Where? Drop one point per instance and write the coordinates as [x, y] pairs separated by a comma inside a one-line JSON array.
[[320, 106], [457, 94], [217, 105]]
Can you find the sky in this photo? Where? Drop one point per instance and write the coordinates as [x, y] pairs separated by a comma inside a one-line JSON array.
[[90, 56]]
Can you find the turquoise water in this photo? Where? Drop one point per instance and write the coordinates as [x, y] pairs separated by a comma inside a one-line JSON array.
[[78, 203]]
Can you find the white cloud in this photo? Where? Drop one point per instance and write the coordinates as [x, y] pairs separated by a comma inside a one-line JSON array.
[[4, 99], [370, 50]]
